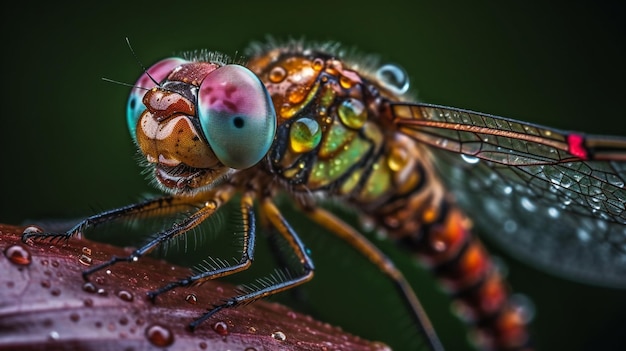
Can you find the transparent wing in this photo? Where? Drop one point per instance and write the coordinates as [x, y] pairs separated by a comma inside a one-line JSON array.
[[554, 199]]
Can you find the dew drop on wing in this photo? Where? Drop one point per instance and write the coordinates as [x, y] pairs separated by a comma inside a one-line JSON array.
[[553, 212], [510, 226], [583, 235], [470, 159], [527, 204]]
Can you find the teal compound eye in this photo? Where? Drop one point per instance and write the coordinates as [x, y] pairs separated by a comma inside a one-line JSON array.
[[237, 116], [148, 80]]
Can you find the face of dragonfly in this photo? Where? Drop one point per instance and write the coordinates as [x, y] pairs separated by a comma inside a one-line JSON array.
[[195, 122]]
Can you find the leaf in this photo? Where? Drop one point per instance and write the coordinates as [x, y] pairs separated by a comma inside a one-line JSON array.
[[46, 304]]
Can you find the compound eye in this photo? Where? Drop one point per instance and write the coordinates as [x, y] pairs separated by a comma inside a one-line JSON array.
[[237, 116], [159, 71]]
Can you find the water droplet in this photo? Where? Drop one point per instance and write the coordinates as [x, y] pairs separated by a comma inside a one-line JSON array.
[[202, 345], [221, 328], [553, 212], [102, 292], [470, 159], [278, 335], [17, 254], [55, 263], [85, 260], [86, 251], [54, 335], [45, 284], [89, 287], [346, 82], [393, 78], [615, 180], [398, 158], [159, 335], [277, 74], [510, 226], [527, 204], [507, 190], [55, 292], [439, 245], [192, 299], [125, 295], [74, 317], [583, 235], [304, 135], [352, 113], [31, 229], [100, 280], [123, 321]]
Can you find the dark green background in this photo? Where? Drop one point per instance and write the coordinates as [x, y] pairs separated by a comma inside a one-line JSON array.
[[65, 146]]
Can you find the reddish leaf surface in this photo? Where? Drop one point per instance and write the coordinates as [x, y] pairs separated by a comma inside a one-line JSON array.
[[45, 304]]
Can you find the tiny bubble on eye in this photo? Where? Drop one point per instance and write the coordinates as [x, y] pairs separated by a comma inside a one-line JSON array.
[[238, 122]]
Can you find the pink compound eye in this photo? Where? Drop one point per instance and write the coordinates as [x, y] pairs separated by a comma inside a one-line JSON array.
[[157, 72], [237, 116]]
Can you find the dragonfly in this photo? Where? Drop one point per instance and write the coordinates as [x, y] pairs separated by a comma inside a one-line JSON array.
[[313, 123]]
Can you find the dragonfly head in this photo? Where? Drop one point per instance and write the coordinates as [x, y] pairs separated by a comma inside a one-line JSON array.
[[195, 122]]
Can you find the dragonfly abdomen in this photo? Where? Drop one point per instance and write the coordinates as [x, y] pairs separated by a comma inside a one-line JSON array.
[[443, 241]]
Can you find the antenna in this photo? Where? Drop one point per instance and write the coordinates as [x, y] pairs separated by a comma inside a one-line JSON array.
[[139, 62]]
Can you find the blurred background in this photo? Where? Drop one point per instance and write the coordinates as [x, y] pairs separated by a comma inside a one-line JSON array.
[[65, 147]]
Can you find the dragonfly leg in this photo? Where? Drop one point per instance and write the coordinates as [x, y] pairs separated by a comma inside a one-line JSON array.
[[378, 258], [280, 224], [247, 254], [209, 207], [158, 205]]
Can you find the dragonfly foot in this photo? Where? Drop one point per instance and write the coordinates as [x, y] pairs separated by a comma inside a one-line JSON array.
[[113, 260], [152, 295], [28, 237], [193, 325]]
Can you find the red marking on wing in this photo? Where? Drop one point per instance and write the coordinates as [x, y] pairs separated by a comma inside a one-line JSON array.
[[576, 147]]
